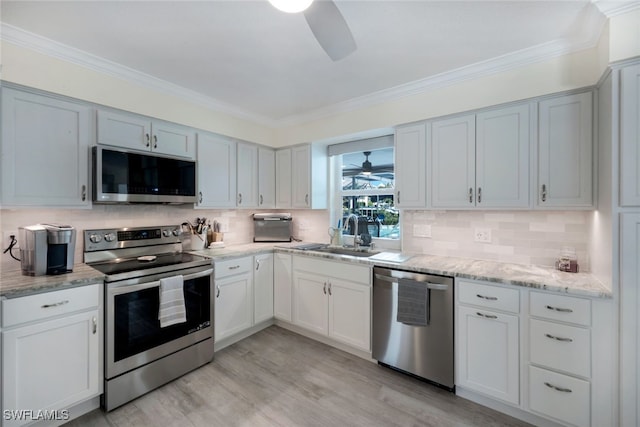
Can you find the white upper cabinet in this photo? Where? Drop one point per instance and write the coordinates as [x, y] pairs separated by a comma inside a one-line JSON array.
[[502, 158], [309, 177], [247, 175], [565, 152], [216, 171], [410, 152], [45, 151], [283, 178], [141, 133], [481, 160], [453, 162], [630, 136], [266, 178]]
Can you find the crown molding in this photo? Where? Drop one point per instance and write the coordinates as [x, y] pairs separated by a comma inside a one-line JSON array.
[[43, 45], [612, 7], [587, 37]]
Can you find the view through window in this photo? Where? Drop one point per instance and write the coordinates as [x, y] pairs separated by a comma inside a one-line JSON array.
[[368, 184]]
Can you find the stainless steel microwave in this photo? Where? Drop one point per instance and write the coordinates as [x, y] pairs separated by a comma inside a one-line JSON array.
[[127, 176]]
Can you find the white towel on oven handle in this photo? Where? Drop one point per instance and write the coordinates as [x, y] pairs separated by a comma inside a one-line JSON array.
[[172, 308]]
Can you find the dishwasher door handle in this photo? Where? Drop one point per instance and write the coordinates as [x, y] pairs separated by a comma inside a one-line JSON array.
[[429, 285]]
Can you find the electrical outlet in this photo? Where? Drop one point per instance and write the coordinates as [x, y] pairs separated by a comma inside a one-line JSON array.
[[482, 235], [422, 230]]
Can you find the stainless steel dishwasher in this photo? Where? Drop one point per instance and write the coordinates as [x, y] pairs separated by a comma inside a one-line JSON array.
[[413, 324]]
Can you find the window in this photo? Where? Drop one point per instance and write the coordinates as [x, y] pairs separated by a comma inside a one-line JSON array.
[[365, 186]]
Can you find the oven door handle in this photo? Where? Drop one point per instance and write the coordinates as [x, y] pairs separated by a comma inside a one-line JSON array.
[[135, 288]]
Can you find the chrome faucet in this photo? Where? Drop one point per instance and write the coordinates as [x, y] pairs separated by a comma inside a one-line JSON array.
[[356, 237]]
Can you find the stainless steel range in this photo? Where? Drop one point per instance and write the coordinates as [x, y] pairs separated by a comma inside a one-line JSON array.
[[153, 332]]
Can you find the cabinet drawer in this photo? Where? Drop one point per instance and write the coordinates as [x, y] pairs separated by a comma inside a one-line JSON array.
[[232, 267], [562, 347], [339, 270], [558, 396], [560, 307], [493, 297], [49, 304]]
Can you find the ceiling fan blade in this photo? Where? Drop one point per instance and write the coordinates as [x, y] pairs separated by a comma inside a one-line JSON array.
[[330, 29]]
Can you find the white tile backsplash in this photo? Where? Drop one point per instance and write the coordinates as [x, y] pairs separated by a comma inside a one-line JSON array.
[[523, 237]]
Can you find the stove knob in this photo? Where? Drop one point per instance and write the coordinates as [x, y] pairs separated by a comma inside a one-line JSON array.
[[166, 233], [110, 237], [95, 238], [176, 232]]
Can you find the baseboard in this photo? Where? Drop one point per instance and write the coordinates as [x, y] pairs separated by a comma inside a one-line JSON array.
[[325, 340], [505, 408], [226, 342]]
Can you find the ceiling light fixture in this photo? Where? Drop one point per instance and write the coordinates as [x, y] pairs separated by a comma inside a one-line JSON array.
[[291, 6], [366, 165]]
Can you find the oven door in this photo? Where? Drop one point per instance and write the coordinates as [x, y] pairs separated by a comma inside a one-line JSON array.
[[133, 333]]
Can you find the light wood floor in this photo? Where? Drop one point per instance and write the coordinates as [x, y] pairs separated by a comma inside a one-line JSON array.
[[279, 378]]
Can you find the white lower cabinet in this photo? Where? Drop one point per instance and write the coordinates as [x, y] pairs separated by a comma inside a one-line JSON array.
[[488, 357], [243, 295], [560, 358], [336, 305], [282, 286], [542, 356], [233, 310], [50, 352], [262, 288]]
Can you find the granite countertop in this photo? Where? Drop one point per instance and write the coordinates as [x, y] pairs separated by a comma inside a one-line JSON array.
[[544, 278], [14, 284]]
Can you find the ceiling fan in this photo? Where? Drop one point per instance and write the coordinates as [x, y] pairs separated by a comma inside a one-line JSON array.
[[367, 168], [326, 22]]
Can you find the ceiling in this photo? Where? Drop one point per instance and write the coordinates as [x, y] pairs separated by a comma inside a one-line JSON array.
[[252, 59]]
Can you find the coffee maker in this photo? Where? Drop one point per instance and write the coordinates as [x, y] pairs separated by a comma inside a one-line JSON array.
[[46, 249]]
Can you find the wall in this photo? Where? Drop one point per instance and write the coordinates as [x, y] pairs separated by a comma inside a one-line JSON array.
[[33, 69], [307, 225], [521, 237], [624, 36]]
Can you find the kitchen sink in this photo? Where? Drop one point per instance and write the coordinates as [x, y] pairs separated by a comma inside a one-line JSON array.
[[347, 251]]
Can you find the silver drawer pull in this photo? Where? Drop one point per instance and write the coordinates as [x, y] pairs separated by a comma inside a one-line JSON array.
[[553, 337], [487, 298], [235, 267], [560, 309], [56, 304], [486, 316], [94, 323], [562, 389]]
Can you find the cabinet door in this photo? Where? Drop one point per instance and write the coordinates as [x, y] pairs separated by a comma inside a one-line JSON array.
[[283, 178], [247, 176], [282, 286], [173, 140], [487, 353], [51, 365], [630, 136], [263, 288], [630, 319], [266, 178], [216, 171], [124, 130], [502, 158], [350, 313], [301, 176], [565, 150], [45, 151], [410, 152], [310, 301], [233, 305], [453, 159]]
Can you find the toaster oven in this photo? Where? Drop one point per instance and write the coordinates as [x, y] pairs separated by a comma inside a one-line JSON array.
[[272, 227]]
